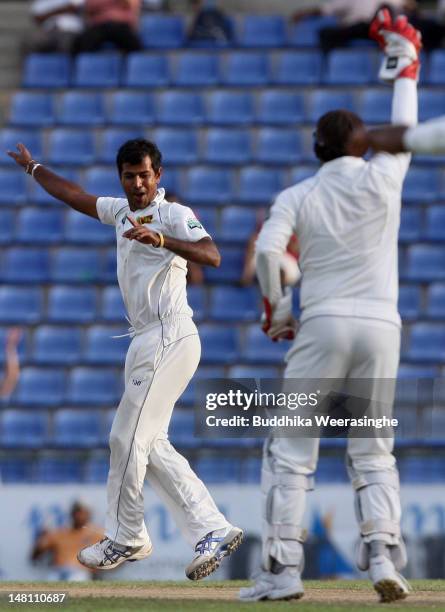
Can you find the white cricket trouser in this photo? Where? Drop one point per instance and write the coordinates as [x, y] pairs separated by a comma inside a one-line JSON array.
[[159, 365], [338, 348]]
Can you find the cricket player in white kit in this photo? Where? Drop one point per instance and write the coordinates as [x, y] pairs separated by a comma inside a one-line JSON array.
[[155, 238], [347, 219]]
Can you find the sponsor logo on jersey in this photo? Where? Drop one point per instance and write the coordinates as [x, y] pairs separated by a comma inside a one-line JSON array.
[[146, 219], [192, 223], [136, 382]]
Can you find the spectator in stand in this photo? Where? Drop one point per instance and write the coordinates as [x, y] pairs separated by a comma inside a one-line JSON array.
[[210, 24], [58, 23], [12, 364], [112, 22], [63, 544]]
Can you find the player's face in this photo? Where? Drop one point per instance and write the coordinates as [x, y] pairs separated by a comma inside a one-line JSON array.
[[140, 183]]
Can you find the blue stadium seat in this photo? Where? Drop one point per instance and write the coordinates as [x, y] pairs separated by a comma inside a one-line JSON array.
[[93, 387], [230, 107], [331, 469], [246, 69], [351, 67], [208, 218], [31, 109], [258, 348], [181, 429], [177, 146], [109, 266], [146, 70], [180, 107], [208, 185], [255, 372], [411, 224], [7, 225], [410, 301], [422, 184], [162, 31], [76, 428], [113, 308], [280, 107], [238, 224], [170, 180], [279, 146], [37, 226], [23, 429], [297, 68], [322, 101], [81, 229], [59, 469], [435, 305], [232, 262], [81, 108], [431, 104], [196, 298], [259, 185], [41, 387], [131, 108], [102, 349], [70, 146], [45, 70], [196, 69], [426, 343], [437, 67], [408, 370], [9, 137], [16, 470], [375, 105], [75, 265], [97, 467], [112, 139], [305, 32], [251, 470], [103, 182], [22, 305], [435, 223], [71, 304], [25, 265], [227, 146], [219, 344], [56, 345], [263, 31], [218, 470], [425, 263], [234, 304], [12, 186], [97, 70]]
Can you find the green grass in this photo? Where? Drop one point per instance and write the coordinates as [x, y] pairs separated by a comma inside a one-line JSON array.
[[354, 596]]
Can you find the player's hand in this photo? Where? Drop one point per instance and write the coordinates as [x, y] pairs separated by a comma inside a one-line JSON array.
[[400, 42], [23, 157], [142, 234], [277, 321]]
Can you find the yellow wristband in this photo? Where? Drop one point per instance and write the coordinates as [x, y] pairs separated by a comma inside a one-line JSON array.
[[161, 240]]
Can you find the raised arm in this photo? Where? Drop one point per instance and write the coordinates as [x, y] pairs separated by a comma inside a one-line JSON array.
[[60, 188]]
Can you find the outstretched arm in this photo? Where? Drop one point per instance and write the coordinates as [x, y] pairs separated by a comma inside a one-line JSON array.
[[66, 191]]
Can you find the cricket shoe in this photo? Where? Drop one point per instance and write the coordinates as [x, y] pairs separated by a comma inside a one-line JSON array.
[[106, 554], [211, 549], [388, 583], [285, 585]]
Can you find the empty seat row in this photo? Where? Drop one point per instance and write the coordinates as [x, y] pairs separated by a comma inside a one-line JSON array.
[[220, 106], [207, 185]]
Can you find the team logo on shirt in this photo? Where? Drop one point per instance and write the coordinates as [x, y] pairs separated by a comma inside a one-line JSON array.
[[192, 223], [146, 219]]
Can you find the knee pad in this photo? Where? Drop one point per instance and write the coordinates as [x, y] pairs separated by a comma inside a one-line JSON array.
[[284, 500]]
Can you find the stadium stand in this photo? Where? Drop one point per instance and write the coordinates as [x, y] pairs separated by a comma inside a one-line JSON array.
[[234, 124]]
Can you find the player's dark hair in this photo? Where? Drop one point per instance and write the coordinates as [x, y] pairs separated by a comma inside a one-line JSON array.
[[133, 152], [332, 133]]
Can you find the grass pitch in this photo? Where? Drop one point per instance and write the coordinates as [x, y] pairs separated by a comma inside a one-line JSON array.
[[332, 596]]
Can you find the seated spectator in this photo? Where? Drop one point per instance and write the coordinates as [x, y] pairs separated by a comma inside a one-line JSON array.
[[209, 24], [353, 17], [63, 545], [110, 22], [58, 22]]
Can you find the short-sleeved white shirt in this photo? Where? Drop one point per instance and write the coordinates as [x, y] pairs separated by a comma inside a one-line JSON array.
[[152, 280]]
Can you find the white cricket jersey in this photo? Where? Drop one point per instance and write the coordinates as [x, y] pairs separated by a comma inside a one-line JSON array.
[[346, 218], [152, 280]]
